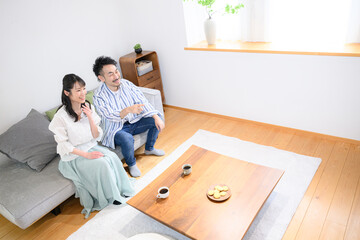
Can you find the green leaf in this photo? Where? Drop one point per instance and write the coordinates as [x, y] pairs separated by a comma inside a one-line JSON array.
[[229, 9]]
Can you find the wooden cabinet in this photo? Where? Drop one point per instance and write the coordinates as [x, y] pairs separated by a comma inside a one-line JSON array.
[[149, 80]]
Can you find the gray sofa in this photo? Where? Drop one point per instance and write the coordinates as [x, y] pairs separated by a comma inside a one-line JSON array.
[[27, 195]]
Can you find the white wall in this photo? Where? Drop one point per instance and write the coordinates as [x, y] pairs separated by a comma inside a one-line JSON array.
[[313, 93], [42, 40]]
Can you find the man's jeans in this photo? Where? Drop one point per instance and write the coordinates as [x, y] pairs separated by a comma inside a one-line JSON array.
[[124, 138]]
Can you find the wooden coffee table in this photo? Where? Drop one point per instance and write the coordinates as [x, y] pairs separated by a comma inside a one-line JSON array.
[[189, 211]]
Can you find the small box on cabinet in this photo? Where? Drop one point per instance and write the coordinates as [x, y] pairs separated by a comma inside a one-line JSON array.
[[143, 67]]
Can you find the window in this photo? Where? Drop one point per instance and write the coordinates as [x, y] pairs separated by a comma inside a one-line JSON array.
[[313, 24]]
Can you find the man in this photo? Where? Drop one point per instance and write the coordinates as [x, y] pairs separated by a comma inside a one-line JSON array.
[[125, 112]]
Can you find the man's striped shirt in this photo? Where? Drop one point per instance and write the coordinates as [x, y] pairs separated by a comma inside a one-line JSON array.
[[109, 104]]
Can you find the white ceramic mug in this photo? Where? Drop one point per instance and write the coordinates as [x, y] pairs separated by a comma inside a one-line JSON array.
[[186, 169], [163, 192]]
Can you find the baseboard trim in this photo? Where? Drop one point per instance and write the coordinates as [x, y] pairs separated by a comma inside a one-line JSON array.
[[348, 140]]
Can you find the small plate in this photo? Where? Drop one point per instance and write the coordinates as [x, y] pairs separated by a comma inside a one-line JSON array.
[[222, 198]]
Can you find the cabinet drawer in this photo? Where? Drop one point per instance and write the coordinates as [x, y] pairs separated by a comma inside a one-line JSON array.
[[149, 77], [154, 85]]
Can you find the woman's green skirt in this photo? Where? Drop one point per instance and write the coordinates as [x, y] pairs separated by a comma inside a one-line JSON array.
[[99, 182]]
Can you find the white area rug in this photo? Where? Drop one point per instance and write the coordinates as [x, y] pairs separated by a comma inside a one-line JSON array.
[[122, 222]]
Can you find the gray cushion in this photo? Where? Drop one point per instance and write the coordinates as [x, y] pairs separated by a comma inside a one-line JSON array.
[[30, 141]]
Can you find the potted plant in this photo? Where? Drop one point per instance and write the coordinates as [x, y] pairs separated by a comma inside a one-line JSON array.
[[137, 48], [209, 24]]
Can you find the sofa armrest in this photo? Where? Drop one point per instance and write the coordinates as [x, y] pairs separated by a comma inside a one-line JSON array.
[[154, 97]]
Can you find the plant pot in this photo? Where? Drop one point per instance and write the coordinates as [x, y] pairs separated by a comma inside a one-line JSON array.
[[210, 31], [138, 50]]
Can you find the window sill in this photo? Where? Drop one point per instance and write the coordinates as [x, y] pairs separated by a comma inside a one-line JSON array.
[[349, 50]]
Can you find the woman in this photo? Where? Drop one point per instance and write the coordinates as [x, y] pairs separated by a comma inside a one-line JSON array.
[[97, 173]]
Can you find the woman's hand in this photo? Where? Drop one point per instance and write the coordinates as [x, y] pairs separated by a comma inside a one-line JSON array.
[[94, 155], [94, 130], [87, 111]]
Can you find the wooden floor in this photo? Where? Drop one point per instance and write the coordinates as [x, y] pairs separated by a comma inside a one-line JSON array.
[[330, 208]]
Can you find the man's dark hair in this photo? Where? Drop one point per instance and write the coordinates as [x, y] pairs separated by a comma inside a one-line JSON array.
[[100, 62]]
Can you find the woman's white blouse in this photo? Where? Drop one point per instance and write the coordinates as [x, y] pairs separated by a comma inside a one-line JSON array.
[[70, 134]]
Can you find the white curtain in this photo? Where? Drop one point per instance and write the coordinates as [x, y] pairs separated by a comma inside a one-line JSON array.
[[309, 22], [255, 21], [194, 16], [353, 33]]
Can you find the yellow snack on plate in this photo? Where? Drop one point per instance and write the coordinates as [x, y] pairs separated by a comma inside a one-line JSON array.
[[211, 192], [225, 188], [216, 195], [222, 193]]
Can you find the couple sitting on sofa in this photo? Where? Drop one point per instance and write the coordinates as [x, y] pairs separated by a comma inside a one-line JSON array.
[[97, 172]]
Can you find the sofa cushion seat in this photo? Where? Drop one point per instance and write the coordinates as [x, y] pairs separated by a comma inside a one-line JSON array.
[[27, 195]]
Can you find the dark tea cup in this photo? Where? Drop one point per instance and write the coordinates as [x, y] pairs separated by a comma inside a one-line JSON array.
[[186, 169], [163, 192]]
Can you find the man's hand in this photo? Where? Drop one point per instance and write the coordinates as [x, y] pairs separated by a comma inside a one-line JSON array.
[[160, 125], [136, 109], [94, 155]]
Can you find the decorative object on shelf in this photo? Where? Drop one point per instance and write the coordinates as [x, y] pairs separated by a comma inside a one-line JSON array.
[[138, 48], [143, 67], [143, 70], [210, 24], [210, 31]]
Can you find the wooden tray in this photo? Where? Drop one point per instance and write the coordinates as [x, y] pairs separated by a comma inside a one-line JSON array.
[[222, 198]]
